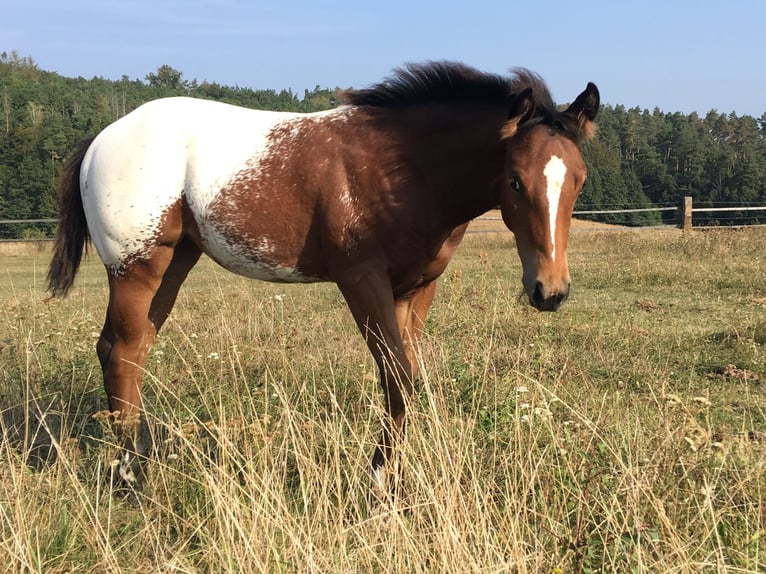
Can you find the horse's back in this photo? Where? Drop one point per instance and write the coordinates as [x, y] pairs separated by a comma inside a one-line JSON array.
[[141, 167]]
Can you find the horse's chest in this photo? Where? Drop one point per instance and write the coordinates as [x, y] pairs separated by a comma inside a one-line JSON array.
[[428, 265], [415, 272]]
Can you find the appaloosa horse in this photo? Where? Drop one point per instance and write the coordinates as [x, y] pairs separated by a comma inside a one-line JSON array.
[[374, 195]]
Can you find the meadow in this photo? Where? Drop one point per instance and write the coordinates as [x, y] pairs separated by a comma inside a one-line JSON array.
[[624, 433]]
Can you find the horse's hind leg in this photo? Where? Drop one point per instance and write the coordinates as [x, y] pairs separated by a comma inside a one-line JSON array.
[[140, 299]]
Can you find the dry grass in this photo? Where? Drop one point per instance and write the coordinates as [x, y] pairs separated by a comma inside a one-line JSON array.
[[623, 434]]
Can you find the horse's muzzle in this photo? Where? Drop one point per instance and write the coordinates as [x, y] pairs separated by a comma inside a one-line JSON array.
[[550, 301]]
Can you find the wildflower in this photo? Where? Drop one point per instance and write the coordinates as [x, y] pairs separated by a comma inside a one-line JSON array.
[[189, 429], [214, 356], [673, 399]]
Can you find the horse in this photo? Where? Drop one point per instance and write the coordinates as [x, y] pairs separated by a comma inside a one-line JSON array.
[[374, 195]]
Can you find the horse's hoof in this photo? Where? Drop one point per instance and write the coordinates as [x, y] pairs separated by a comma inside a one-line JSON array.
[[130, 476]]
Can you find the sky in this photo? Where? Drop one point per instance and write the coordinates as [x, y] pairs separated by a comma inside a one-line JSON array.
[[678, 55]]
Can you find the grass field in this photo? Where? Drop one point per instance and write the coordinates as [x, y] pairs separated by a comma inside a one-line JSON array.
[[625, 433]]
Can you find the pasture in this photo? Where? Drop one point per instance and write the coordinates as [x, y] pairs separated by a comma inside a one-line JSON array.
[[624, 433]]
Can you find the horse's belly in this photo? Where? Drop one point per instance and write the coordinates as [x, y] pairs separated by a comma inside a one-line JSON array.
[[254, 257]]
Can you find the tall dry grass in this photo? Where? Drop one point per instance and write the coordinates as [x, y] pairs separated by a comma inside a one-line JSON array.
[[623, 434]]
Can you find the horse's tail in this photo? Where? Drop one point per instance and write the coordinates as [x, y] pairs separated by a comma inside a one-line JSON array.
[[73, 229]]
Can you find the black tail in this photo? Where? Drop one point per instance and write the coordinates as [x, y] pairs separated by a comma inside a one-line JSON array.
[[73, 229]]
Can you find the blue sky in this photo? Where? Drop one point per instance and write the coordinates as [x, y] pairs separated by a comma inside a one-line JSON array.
[[677, 55]]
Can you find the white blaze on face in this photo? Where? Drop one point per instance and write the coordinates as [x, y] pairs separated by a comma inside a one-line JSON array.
[[554, 173]]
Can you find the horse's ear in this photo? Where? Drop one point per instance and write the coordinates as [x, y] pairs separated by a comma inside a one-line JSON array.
[[584, 110], [522, 108]]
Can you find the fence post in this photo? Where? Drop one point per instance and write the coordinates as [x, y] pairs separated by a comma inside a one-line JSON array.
[[686, 220]]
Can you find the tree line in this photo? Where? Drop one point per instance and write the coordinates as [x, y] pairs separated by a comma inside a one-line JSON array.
[[643, 158], [638, 158]]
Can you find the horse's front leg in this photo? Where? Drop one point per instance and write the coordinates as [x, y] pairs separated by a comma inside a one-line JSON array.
[[386, 472], [367, 290]]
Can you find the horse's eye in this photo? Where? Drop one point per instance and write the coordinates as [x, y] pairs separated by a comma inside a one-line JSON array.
[[515, 183]]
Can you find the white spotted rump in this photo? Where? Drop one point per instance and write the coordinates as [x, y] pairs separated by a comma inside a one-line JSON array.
[[554, 173], [172, 150]]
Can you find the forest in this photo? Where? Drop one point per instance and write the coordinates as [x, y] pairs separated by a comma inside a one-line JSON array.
[[639, 158]]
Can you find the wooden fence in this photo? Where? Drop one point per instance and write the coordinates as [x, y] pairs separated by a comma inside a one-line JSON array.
[[686, 211]]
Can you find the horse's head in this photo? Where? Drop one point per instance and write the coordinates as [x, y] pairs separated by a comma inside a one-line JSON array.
[[544, 173]]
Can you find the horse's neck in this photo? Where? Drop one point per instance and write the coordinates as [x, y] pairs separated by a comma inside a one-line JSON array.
[[458, 157]]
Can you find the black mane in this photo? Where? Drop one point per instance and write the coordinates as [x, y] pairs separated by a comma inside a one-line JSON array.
[[434, 82], [447, 82]]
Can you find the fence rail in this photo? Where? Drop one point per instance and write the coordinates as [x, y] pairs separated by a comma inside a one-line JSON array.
[[634, 210], [710, 209], [48, 220]]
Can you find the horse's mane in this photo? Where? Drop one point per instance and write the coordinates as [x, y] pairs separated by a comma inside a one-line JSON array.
[[434, 82], [445, 82]]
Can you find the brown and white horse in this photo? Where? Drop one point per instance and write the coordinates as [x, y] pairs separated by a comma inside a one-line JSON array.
[[374, 196]]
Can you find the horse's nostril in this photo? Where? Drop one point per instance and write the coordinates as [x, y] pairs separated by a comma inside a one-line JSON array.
[[550, 302]]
